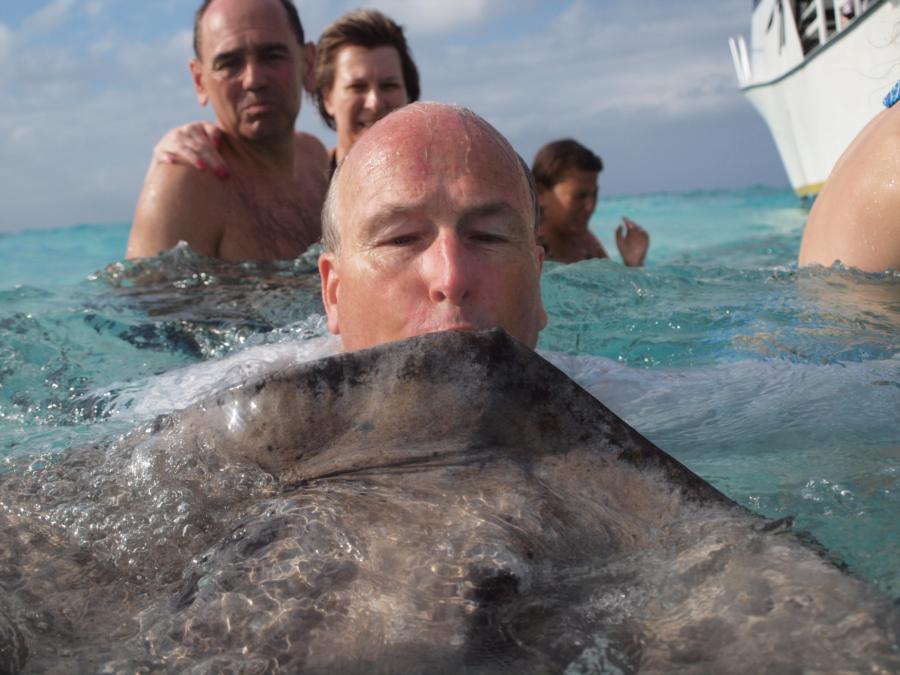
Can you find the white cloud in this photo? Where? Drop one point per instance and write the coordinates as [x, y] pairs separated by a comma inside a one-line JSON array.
[[431, 18], [316, 14], [167, 55], [80, 123], [592, 61], [642, 83], [7, 54], [103, 45], [95, 7], [625, 77], [88, 150], [21, 135], [49, 17]]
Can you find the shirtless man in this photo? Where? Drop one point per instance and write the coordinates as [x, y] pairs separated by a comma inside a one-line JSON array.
[[856, 217], [567, 176], [251, 64], [364, 70], [429, 225]]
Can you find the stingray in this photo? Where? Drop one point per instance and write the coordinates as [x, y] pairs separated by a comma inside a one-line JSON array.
[[449, 503]]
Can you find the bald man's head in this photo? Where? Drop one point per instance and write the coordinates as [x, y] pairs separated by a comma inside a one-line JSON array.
[[293, 20], [428, 115], [430, 225]]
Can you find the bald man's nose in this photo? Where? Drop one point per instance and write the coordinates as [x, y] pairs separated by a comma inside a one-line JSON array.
[[253, 76], [447, 270]]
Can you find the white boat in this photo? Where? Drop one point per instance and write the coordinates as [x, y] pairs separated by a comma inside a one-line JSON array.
[[817, 71]]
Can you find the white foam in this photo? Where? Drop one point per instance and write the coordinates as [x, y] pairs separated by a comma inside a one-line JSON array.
[[181, 387]]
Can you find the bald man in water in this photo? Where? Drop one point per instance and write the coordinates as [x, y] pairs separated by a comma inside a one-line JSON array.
[[251, 64], [856, 217], [429, 225]]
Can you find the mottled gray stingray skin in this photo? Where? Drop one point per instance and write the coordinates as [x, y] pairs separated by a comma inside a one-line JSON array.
[[450, 503], [454, 399]]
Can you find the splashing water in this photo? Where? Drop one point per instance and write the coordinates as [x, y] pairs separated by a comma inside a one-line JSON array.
[[780, 386]]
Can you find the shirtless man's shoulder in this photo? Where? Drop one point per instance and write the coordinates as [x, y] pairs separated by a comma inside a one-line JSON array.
[[247, 216], [314, 159], [574, 249], [855, 217], [177, 203], [592, 247], [311, 148]]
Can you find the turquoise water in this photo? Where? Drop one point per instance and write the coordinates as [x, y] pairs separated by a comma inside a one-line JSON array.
[[780, 386]]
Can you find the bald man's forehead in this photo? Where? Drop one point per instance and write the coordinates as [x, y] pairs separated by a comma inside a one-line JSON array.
[[228, 15], [434, 146], [417, 132], [414, 169]]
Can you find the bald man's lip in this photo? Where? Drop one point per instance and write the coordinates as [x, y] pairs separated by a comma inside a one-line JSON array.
[[257, 108], [257, 105], [463, 325]]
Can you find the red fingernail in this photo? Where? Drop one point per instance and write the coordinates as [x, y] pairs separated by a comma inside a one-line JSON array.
[[201, 164], [222, 173]]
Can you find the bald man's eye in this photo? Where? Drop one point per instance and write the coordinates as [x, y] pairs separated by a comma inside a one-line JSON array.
[[273, 53], [496, 233], [488, 237], [228, 64], [400, 240]]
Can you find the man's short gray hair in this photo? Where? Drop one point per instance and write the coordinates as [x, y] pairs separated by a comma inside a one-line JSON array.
[[331, 237]]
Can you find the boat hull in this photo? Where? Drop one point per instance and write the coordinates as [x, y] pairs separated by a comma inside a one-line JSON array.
[[814, 110]]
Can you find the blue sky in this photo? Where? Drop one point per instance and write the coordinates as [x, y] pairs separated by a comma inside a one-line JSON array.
[[90, 85]]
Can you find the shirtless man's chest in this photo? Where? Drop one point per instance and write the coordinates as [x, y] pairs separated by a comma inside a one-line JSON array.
[[266, 221]]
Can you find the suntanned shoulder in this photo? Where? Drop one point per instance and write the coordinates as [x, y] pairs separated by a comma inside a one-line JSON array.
[[855, 217], [176, 204], [311, 151], [594, 247]]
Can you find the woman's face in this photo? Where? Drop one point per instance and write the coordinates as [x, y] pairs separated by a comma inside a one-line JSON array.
[[368, 84]]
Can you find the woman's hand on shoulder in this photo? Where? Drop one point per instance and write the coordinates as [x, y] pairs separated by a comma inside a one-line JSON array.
[[195, 144]]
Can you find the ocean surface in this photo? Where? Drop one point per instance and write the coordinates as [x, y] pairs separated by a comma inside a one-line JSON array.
[[780, 386]]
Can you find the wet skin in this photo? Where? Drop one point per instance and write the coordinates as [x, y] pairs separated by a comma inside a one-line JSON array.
[[251, 69], [855, 217], [566, 209], [436, 229]]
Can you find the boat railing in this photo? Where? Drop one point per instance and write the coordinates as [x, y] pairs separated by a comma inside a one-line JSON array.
[[741, 59], [816, 18], [791, 27], [821, 20]]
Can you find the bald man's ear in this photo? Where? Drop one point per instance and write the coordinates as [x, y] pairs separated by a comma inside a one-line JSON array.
[[197, 78], [330, 282], [309, 68]]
